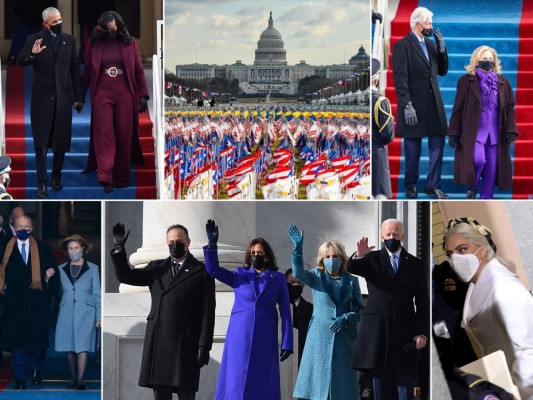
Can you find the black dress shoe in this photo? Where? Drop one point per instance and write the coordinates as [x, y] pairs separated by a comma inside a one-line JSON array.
[[72, 385], [20, 385], [411, 193], [81, 386], [471, 194], [41, 190], [437, 193], [36, 378], [56, 185], [108, 188]]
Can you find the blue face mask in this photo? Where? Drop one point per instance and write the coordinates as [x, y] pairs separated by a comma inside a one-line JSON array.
[[332, 264], [23, 234]]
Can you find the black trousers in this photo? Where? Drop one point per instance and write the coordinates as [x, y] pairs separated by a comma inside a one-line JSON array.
[[57, 164], [165, 393]]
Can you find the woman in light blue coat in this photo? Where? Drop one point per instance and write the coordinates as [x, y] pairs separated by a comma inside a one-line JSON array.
[[325, 372], [79, 309]]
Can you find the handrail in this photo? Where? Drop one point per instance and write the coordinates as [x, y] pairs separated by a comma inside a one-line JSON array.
[[159, 134], [2, 120]]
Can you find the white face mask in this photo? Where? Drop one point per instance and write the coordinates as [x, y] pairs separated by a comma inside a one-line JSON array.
[[75, 255], [465, 265]]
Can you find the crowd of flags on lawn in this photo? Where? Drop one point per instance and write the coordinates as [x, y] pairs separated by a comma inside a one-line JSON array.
[[237, 150]]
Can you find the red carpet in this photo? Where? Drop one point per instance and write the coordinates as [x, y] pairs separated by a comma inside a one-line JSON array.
[[523, 157], [15, 142], [400, 26]]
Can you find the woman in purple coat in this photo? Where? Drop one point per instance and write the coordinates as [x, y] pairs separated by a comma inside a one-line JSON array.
[[483, 126], [115, 75], [250, 366]]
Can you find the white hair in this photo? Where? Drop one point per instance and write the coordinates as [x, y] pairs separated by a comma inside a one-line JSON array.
[[392, 221], [49, 11], [420, 15]]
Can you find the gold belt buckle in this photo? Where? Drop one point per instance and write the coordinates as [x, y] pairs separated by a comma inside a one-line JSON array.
[[112, 72]]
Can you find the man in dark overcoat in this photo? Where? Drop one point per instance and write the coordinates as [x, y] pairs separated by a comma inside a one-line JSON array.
[[391, 329], [179, 330], [382, 135], [416, 61], [26, 267], [56, 88]]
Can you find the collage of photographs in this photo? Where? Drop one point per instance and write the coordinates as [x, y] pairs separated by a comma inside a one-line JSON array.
[[266, 200]]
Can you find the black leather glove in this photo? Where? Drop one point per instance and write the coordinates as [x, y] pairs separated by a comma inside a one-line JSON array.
[[511, 137], [203, 357], [211, 229], [284, 355], [441, 47], [143, 104], [119, 237], [452, 141], [410, 115], [376, 17]]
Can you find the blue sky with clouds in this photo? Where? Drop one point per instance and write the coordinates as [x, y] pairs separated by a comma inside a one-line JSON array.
[[220, 32]]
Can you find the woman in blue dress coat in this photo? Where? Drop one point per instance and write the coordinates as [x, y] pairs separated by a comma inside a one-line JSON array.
[[325, 371], [250, 366], [79, 309]]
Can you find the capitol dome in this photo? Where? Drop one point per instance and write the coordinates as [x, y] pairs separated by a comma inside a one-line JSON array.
[[270, 47]]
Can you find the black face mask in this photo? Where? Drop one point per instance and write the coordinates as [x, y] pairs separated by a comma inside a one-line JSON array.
[[257, 261], [56, 28], [295, 291], [176, 249], [392, 245], [427, 32], [486, 65], [112, 34]]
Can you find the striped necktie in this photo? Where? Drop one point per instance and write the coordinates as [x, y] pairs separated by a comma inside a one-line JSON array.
[[394, 262], [24, 254]]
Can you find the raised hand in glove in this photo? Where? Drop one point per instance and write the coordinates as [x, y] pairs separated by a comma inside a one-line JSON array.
[[203, 357], [441, 47], [119, 236], [284, 354], [410, 115], [511, 137], [211, 229], [338, 324], [143, 104], [452, 141], [296, 237], [376, 17]]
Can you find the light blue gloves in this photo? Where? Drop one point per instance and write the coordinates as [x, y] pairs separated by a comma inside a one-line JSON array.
[[339, 324], [297, 238]]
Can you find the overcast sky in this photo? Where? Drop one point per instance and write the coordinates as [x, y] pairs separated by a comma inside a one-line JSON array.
[[221, 32]]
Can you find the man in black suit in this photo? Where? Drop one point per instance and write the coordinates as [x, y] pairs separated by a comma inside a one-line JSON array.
[[27, 265], [392, 329], [179, 331], [56, 88], [302, 311], [416, 61]]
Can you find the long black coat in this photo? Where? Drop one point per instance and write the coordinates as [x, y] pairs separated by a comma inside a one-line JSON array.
[[389, 319], [181, 319], [381, 184], [464, 122], [56, 85], [26, 309], [415, 80], [302, 314]]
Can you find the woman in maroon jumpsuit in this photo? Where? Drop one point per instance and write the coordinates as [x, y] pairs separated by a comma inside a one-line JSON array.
[[115, 75]]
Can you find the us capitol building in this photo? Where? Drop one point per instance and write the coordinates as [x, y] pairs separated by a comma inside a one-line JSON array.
[[270, 72]]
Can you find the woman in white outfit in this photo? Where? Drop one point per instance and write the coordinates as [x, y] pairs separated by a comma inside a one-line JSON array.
[[498, 310]]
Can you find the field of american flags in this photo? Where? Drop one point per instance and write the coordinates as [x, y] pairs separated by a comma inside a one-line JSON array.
[[267, 152]]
